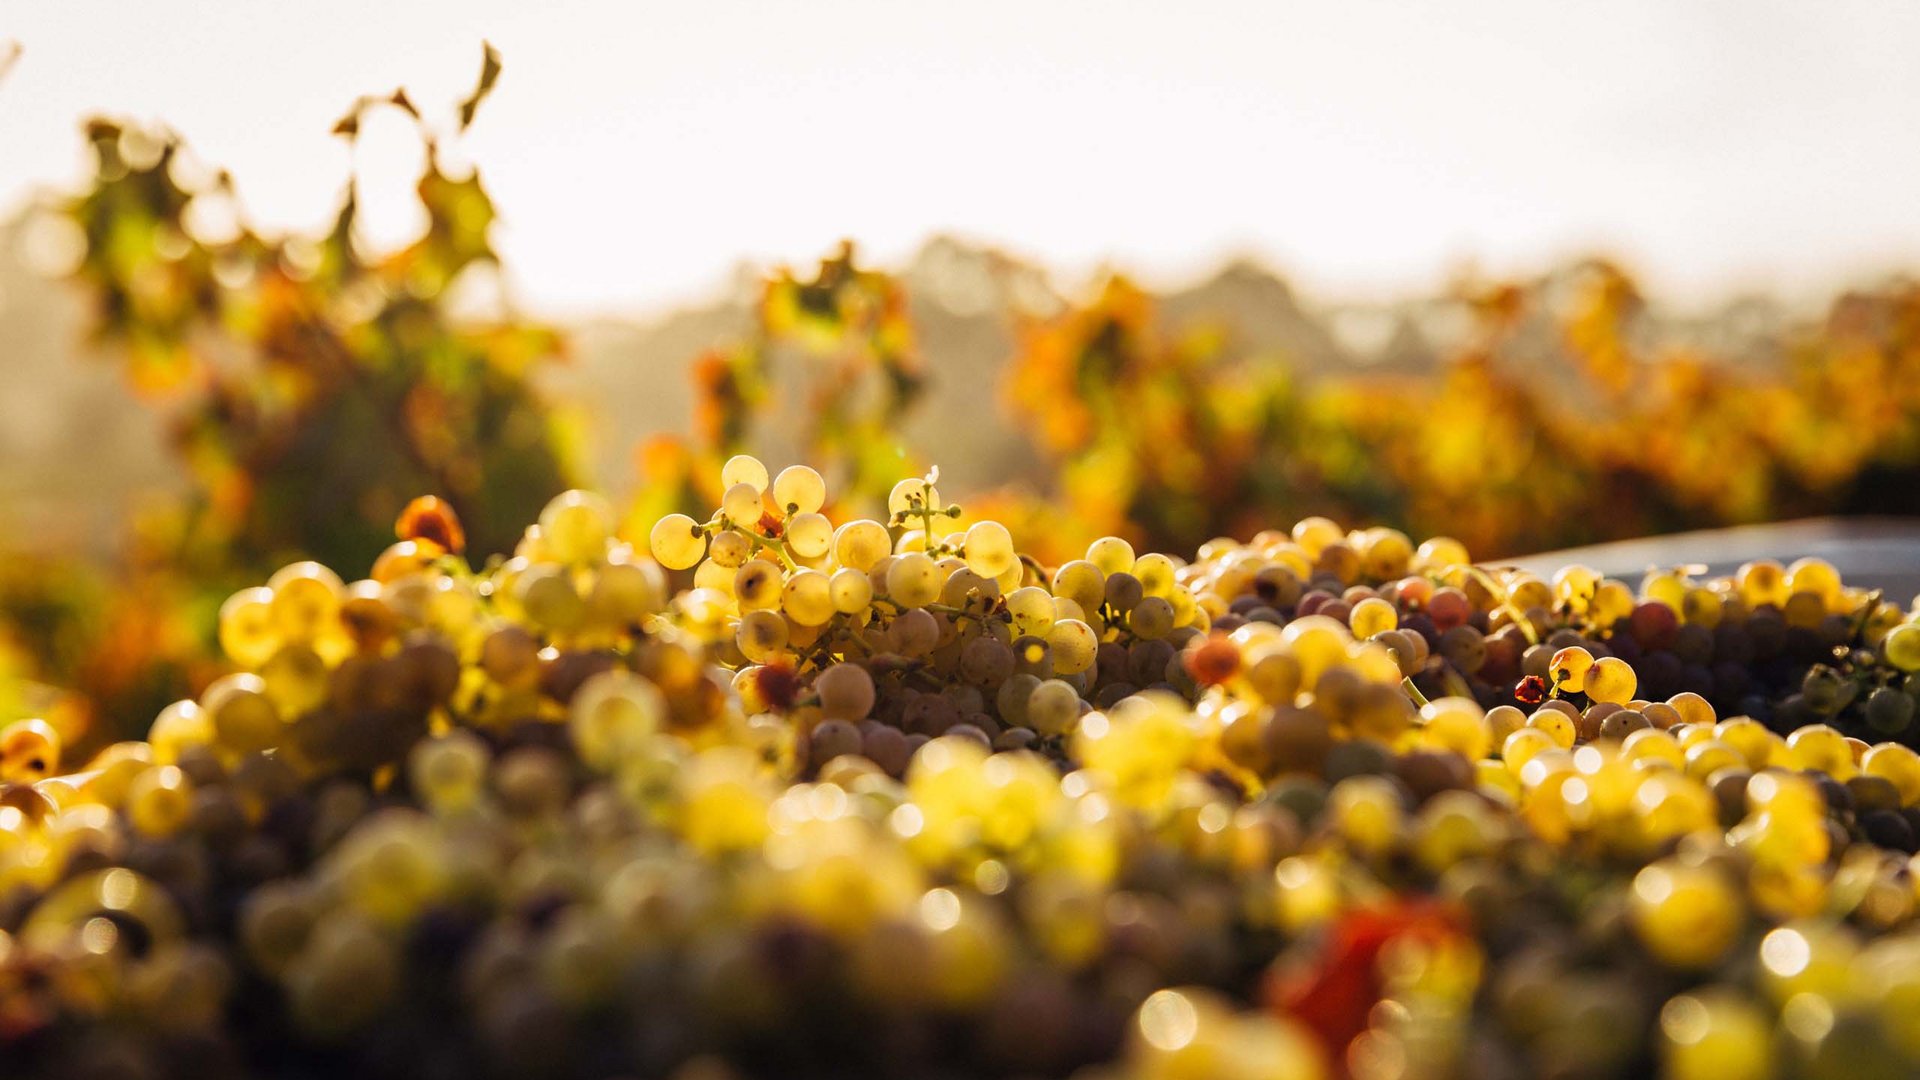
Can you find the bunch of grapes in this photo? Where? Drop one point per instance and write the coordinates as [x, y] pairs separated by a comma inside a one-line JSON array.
[[884, 635], [771, 796]]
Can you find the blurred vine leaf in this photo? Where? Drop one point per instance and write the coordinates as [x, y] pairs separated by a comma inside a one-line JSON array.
[[489, 74], [841, 341], [312, 388], [349, 125], [325, 385], [1551, 422]]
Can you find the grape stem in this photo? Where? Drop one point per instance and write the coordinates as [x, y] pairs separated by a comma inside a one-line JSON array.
[[1419, 699], [1506, 603], [921, 506], [1866, 611], [775, 544]]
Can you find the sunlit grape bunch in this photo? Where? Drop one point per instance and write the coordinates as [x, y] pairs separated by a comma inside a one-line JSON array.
[[883, 634], [776, 794]]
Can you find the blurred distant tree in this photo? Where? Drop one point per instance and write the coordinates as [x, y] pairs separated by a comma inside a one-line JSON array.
[[1162, 433], [1551, 424], [839, 341], [317, 388], [313, 389]]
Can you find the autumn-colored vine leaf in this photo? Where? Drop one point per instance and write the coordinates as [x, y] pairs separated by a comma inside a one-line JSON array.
[[489, 74]]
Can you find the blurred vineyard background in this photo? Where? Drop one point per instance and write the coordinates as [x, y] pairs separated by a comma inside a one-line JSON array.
[[193, 404]]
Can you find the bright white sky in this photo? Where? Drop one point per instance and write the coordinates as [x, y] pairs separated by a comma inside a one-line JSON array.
[[641, 150]]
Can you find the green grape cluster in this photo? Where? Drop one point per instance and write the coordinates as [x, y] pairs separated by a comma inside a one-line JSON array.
[[895, 632], [773, 796]]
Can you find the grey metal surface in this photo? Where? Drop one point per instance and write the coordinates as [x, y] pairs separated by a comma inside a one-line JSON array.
[[1876, 553]]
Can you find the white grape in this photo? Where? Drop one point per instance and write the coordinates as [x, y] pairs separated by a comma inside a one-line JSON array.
[[990, 549], [810, 535], [677, 541], [799, 490], [744, 469]]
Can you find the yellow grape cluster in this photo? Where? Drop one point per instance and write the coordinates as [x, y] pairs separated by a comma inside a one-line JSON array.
[[1133, 814]]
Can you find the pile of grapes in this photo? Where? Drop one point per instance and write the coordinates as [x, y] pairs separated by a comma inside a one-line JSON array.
[[892, 799]]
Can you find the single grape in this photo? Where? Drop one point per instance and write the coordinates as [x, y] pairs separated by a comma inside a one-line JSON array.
[[29, 751], [306, 600], [1439, 553], [1816, 576], [1568, 669], [677, 542], [550, 598], [1151, 618], [799, 490], [180, 725], [1123, 591], [1073, 644], [1081, 582], [810, 535], [1762, 582], [159, 801], [966, 589], [761, 635], [1895, 763], [914, 632], [1385, 553], [1372, 616], [244, 718], [861, 544], [757, 585], [989, 548], [914, 580], [1032, 611], [910, 497], [1901, 647], [1821, 747], [846, 691], [248, 633], [1052, 708], [1693, 708], [986, 662], [1556, 724], [807, 597], [625, 592], [744, 469], [741, 505], [1459, 725], [1448, 608], [1314, 534], [1716, 1035], [1465, 648], [1157, 575], [1111, 555], [851, 590], [1013, 696], [449, 773], [576, 526], [714, 575]]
